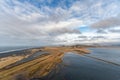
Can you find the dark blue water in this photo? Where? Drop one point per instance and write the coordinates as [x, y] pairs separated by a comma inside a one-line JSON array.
[[15, 48], [86, 67], [107, 54], [78, 67]]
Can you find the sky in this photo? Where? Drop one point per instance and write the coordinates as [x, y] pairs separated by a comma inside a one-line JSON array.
[[58, 22]]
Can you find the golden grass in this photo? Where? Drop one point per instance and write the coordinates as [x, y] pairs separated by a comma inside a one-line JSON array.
[[9, 60]]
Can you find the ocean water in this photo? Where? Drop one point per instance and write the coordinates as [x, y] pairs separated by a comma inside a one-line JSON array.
[[5, 49], [107, 54]]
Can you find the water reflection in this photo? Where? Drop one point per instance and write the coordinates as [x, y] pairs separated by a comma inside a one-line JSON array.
[[77, 67], [85, 68]]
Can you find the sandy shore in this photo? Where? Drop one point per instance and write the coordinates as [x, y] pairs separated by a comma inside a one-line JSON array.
[[9, 60], [5, 61]]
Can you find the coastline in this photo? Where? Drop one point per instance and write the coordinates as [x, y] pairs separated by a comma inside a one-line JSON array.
[[53, 57], [39, 62]]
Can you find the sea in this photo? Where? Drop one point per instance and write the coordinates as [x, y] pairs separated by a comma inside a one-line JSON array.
[[5, 49]]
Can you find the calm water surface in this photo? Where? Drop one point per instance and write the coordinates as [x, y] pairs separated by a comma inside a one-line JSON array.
[[108, 54], [78, 67]]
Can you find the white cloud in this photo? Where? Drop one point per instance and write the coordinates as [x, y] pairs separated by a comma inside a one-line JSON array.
[[29, 23]]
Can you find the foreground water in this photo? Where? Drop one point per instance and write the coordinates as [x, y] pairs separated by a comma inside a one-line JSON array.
[[79, 67]]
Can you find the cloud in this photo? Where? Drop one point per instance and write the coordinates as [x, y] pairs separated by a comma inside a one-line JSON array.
[[98, 37], [115, 30], [101, 31], [63, 31], [106, 23], [27, 21], [42, 22]]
